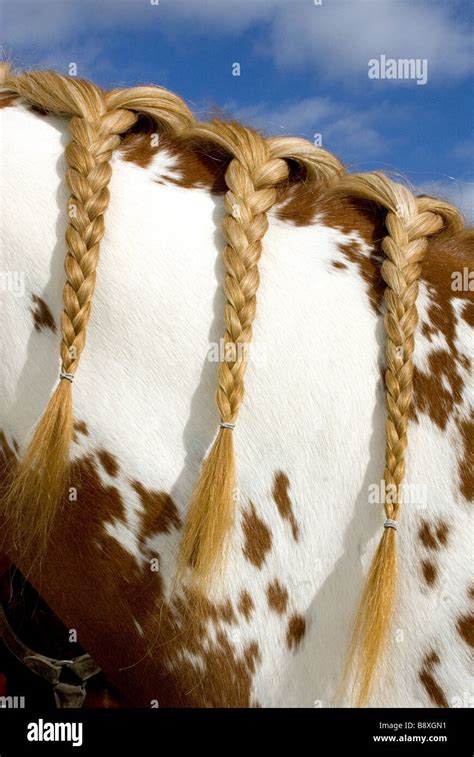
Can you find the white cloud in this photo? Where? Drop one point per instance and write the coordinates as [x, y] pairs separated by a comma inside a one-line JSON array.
[[337, 38], [50, 21], [459, 193], [345, 35]]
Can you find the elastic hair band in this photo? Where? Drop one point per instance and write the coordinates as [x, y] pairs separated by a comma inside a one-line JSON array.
[[67, 376], [224, 424], [389, 523]]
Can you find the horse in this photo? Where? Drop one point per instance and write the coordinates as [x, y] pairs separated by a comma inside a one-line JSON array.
[[269, 431]]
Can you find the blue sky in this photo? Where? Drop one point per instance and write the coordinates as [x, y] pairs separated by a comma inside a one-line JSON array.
[[303, 70]]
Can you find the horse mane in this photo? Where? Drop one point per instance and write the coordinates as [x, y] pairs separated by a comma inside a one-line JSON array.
[[256, 172]]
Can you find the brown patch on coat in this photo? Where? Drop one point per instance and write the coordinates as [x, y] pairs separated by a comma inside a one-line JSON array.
[[160, 512], [429, 682], [258, 539], [426, 537], [196, 165], [305, 203], [103, 592], [445, 254], [81, 428], [369, 270], [85, 473], [138, 146], [295, 631], [442, 530], [252, 656], [225, 679], [282, 499], [226, 612], [42, 315], [432, 396], [339, 265], [430, 572], [245, 605], [433, 536], [277, 596], [465, 626], [108, 462], [220, 612]]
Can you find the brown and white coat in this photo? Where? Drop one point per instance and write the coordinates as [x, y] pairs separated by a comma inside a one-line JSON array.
[[309, 443]]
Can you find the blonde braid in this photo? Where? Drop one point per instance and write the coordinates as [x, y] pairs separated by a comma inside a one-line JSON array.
[[97, 120], [88, 176], [251, 177], [256, 169], [404, 248], [409, 222], [40, 477]]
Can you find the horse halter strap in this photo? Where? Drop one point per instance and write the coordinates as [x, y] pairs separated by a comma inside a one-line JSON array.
[[65, 694]]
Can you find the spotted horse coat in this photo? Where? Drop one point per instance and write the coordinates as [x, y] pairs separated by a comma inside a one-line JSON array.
[[309, 444]]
